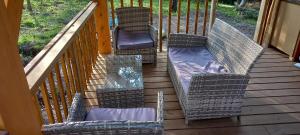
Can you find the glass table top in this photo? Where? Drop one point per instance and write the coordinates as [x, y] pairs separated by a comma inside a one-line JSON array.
[[125, 78]]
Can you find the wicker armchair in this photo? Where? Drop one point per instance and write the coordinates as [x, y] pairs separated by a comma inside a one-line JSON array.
[[76, 123], [212, 94], [134, 35]]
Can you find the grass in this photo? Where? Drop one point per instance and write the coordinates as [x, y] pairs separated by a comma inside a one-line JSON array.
[[46, 20]]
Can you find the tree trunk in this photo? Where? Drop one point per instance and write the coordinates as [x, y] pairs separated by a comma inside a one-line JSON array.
[[29, 6], [242, 3]]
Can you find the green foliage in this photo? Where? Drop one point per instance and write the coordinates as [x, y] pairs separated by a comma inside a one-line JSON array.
[[46, 20], [248, 13], [230, 2]]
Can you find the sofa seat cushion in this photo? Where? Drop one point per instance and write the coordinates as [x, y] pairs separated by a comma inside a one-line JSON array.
[[128, 114], [193, 60], [134, 40]]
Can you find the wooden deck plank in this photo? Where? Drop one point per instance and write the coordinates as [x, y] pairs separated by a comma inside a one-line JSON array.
[[271, 104]]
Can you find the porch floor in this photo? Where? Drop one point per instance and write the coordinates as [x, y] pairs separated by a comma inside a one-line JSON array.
[[271, 105]]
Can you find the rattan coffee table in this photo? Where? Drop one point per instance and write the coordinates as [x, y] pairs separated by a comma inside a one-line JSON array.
[[123, 84]]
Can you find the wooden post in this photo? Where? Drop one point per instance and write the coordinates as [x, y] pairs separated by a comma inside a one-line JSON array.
[[170, 17], [270, 23], [160, 24], [102, 27], [18, 110], [212, 15], [187, 17], [205, 18], [260, 19], [2, 126]]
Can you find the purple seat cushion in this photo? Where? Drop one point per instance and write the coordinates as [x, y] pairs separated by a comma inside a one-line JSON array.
[[2, 132], [193, 60], [134, 40], [128, 114]]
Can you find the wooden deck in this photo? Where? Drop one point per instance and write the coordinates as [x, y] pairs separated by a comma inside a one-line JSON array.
[[271, 106]]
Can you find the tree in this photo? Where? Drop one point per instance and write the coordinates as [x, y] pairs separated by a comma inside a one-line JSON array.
[[29, 6], [241, 3]]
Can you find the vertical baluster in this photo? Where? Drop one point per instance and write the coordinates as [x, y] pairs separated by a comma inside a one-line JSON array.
[[54, 97], [122, 3], [81, 64], [90, 45], [66, 79], [84, 47], [205, 18], [160, 24], [61, 89], [140, 3], [85, 61], [196, 17], [112, 7], [70, 73], [95, 46], [74, 63], [170, 17], [151, 12], [188, 16], [212, 14], [47, 103], [178, 15], [37, 104], [131, 3]]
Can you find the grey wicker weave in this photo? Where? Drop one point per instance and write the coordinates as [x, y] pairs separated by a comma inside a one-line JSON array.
[[212, 95], [123, 85], [136, 19], [76, 125]]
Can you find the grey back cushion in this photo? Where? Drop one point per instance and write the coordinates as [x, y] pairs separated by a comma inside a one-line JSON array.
[[232, 48], [133, 18]]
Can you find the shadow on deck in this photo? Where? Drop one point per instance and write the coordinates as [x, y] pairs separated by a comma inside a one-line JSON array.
[[271, 105]]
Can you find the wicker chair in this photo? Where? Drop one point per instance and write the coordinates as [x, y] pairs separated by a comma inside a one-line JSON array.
[[76, 123], [212, 95], [134, 35]]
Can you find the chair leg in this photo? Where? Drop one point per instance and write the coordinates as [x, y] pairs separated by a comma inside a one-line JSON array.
[[186, 121]]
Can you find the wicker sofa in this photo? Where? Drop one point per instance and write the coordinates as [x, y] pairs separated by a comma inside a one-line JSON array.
[[134, 35], [210, 74], [114, 121]]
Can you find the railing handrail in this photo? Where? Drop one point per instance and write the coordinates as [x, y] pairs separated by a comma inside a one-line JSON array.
[[28, 68], [42, 64]]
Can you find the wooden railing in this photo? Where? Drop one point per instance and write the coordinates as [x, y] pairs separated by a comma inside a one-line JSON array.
[[64, 66], [169, 23]]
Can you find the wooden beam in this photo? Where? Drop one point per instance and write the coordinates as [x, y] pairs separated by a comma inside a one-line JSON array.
[[205, 18], [270, 23], [102, 27], [2, 126], [212, 15], [18, 110], [261, 19], [170, 17], [11, 10], [160, 24]]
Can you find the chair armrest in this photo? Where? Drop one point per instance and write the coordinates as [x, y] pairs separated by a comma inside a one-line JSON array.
[[202, 84], [186, 40], [115, 36], [160, 106], [92, 127], [78, 110], [114, 62], [154, 34]]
